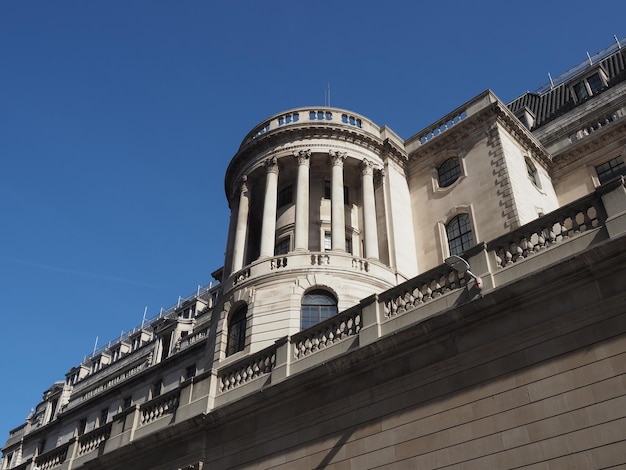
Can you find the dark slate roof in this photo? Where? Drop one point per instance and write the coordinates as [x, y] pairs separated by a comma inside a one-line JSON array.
[[555, 99]]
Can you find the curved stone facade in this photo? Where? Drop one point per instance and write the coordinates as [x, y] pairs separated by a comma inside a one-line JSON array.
[[309, 209]]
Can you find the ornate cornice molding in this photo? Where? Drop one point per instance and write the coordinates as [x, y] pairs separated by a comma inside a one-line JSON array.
[[588, 145], [272, 142]]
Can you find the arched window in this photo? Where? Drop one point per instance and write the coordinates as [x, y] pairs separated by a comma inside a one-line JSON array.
[[459, 232], [237, 331], [317, 305], [449, 172]]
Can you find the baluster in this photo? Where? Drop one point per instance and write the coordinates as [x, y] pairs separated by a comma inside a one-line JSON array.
[[508, 257], [427, 292], [516, 252], [575, 223], [499, 260], [417, 294]]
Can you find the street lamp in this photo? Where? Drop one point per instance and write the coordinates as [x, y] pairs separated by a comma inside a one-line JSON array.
[[460, 265]]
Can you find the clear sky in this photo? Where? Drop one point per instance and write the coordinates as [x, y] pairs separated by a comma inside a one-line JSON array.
[[118, 119]]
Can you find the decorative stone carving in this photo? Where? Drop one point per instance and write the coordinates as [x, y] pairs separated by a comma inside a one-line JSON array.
[[302, 156], [336, 157]]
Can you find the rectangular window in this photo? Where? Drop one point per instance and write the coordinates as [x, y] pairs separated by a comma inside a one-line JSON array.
[[326, 189], [346, 195], [104, 415], [190, 372], [328, 244], [611, 169], [285, 196], [128, 402], [157, 388], [580, 89], [283, 246], [82, 425], [41, 447], [595, 83], [349, 245]]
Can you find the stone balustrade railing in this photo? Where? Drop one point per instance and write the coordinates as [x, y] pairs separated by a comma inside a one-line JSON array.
[[160, 406], [311, 116], [422, 289], [256, 365], [192, 339], [53, 458], [93, 439], [556, 227], [304, 261], [450, 121], [143, 364], [326, 333], [589, 129]]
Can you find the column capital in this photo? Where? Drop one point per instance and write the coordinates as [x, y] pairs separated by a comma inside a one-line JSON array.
[[271, 165], [302, 156], [336, 157], [367, 167], [243, 184]]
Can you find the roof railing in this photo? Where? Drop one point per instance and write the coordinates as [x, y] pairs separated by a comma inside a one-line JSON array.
[[148, 322]]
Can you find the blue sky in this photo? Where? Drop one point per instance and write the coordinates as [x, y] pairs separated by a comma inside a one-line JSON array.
[[118, 119]]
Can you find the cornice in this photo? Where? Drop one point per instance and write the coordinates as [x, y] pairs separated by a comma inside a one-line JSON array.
[[292, 134], [513, 126], [457, 135], [588, 145]]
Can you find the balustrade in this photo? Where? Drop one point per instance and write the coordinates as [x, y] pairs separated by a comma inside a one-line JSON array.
[[361, 264], [254, 366], [328, 332], [591, 128], [422, 289], [564, 223], [280, 262], [241, 276], [193, 339], [53, 458], [320, 259], [160, 406], [92, 440]]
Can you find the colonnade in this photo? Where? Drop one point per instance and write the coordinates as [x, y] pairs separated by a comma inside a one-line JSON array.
[[302, 211]]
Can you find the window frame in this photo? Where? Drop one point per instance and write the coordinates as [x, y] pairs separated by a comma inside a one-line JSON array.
[[613, 171], [532, 172], [281, 244], [284, 196], [457, 169], [584, 83], [465, 244], [236, 332], [325, 310]]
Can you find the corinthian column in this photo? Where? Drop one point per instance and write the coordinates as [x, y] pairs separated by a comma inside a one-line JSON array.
[[337, 216], [301, 236], [268, 227], [242, 226], [369, 211]]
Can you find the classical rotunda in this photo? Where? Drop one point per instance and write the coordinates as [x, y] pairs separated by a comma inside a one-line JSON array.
[[319, 201]]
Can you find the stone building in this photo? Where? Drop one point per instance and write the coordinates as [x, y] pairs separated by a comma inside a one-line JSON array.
[[346, 330]]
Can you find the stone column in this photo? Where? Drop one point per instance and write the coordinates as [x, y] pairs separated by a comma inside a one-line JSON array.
[[242, 226], [268, 228], [369, 211], [301, 235], [337, 215]]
